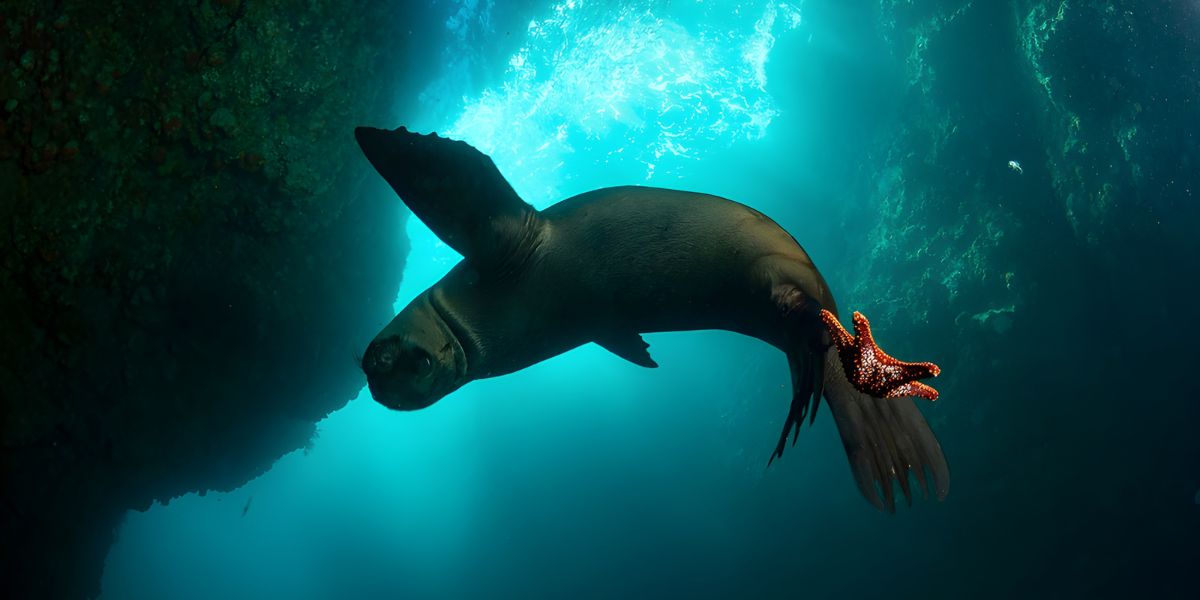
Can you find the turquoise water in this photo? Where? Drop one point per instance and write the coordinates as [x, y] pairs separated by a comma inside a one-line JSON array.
[[586, 476]]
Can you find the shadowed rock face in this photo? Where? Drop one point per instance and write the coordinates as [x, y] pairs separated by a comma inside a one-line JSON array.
[[192, 252], [1055, 300]]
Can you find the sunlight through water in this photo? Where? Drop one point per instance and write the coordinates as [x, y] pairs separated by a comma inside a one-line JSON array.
[[642, 92], [631, 85]]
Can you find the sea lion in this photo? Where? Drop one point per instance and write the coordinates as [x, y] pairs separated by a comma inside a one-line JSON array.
[[608, 265]]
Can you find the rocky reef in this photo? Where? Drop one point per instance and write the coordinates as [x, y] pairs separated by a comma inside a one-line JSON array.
[[1009, 277], [193, 251]]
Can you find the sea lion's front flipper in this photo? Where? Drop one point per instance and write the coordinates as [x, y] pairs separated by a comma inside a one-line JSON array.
[[457, 191], [630, 347]]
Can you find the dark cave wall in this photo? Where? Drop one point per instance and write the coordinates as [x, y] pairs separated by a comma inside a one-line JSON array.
[[1055, 300], [193, 251]]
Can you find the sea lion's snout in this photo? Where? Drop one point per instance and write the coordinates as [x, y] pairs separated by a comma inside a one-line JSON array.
[[400, 374], [416, 360]]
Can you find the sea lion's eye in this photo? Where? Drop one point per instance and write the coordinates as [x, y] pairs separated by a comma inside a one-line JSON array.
[[424, 364]]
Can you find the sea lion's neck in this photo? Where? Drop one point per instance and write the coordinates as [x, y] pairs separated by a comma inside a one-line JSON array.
[[503, 323], [461, 332]]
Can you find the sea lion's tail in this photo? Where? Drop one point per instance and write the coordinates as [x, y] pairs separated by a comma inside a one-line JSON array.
[[885, 439]]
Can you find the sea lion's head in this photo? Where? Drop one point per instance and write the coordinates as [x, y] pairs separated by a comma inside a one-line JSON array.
[[416, 359]]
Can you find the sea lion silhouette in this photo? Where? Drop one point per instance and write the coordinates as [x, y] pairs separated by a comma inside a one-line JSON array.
[[608, 265]]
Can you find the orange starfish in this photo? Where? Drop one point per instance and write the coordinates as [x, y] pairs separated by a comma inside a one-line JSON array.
[[870, 369]]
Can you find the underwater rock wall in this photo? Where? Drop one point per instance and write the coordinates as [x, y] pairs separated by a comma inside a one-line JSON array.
[[193, 251], [1098, 104], [996, 273]]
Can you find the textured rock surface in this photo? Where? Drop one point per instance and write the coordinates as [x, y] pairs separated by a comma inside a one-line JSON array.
[[999, 274], [192, 251]]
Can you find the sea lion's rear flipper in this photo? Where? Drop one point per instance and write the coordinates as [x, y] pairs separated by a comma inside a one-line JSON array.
[[885, 439], [808, 380], [807, 343], [457, 191], [630, 347]]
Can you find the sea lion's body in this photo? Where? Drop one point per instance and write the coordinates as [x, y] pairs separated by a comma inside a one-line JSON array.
[[600, 269], [604, 267]]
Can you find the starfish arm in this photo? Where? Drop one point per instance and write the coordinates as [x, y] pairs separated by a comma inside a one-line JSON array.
[[920, 370], [915, 389], [862, 330], [841, 338]]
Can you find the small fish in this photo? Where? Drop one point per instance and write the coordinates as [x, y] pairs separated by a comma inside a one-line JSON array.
[[1016, 166], [246, 508]]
